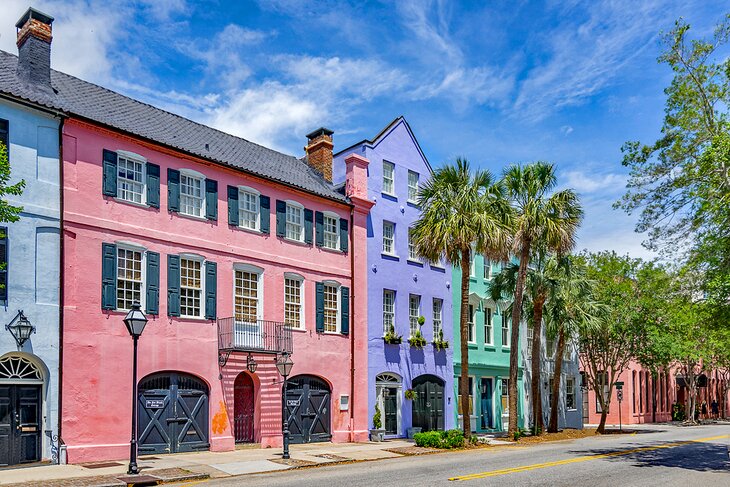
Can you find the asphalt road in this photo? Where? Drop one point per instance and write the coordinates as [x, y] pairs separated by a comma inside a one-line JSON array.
[[666, 456]]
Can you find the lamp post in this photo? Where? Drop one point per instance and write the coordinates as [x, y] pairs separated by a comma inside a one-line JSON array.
[[135, 322], [20, 328], [284, 365]]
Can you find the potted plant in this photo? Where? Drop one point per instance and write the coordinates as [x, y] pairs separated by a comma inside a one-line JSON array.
[[440, 343], [411, 394], [417, 340], [377, 433], [391, 338], [410, 432]]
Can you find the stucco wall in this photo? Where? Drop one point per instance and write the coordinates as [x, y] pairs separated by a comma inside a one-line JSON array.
[[33, 250], [99, 351]]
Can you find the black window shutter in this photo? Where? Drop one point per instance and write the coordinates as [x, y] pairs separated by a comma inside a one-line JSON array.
[[110, 173], [308, 217], [3, 263], [319, 228], [345, 310], [108, 276], [211, 199], [153, 283], [280, 218], [344, 234], [320, 306], [233, 206], [173, 285], [173, 189], [265, 210], [211, 287], [153, 185]]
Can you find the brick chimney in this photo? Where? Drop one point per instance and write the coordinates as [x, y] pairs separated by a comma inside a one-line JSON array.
[[34, 49], [319, 152]]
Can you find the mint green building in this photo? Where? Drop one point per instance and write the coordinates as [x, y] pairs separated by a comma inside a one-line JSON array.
[[489, 349]]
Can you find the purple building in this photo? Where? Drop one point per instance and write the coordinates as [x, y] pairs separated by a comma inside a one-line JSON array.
[[407, 297]]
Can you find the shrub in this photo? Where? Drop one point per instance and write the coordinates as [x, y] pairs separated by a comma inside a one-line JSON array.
[[440, 439], [454, 439], [377, 422], [429, 439]]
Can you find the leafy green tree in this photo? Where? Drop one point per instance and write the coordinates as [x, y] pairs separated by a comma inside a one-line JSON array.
[[8, 212], [463, 212], [542, 219]]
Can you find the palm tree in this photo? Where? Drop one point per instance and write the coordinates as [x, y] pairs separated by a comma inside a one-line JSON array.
[[543, 220], [463, 212], [571, 308]]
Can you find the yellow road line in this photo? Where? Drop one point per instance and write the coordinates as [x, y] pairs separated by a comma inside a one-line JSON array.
[[586, 458]]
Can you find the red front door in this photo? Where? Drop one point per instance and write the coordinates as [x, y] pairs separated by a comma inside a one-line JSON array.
[[243, 408]]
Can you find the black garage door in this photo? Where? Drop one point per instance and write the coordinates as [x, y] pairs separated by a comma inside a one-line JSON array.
[[308, 409], [428, 406], [173, 413]]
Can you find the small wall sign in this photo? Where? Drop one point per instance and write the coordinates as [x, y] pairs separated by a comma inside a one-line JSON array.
[[154, 403], [292, 402]]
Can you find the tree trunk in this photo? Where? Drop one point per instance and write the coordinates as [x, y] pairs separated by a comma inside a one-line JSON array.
[[536, 362], [515, 338], [557, 374], [602, 425], [464, 328], [653, 396]]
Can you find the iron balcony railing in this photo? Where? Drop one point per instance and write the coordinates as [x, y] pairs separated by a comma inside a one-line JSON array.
[[254, 336]]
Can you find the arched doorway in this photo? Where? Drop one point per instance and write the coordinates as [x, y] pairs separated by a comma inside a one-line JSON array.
[[428, 405], [21, 384], [307, 408], [243, 408], [388, 397], [172, 413]]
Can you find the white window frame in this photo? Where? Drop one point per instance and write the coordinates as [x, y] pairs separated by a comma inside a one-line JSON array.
[[291, 206], [530, 340], [488, 326], [248, 191], [201, 260], [413, 190], [389, 181], [127, 246], [336, 218], [392, 380], [412, 255], [338, 306], [550, 348], [487, 268], [570, 392], [567, 351], [413, 319], [259, 272], [196, 176], [134, 158], [505, 332], [471, 330], [473, 266], [291, 276], [388, 313], [438, 318], [392, 238]]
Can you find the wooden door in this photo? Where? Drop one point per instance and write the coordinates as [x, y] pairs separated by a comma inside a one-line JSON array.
[[243, 405]]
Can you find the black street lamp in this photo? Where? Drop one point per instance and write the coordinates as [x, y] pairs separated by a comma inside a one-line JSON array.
[[284, 365], [20, 328], [135, 322]]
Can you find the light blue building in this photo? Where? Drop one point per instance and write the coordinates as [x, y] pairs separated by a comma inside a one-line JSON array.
[[30, 248]]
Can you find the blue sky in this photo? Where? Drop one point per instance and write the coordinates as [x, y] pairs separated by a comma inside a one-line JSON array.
[[496, 82]]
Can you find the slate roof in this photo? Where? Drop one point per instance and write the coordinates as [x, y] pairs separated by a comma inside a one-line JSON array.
[[74, 96]]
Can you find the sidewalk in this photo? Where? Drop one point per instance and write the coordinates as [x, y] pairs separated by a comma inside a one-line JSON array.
[[200, 465]]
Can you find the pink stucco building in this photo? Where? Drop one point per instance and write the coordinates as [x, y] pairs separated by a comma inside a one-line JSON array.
[[237, 253]]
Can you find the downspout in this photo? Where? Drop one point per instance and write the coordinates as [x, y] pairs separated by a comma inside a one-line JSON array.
[[60, 294], [352, 324]]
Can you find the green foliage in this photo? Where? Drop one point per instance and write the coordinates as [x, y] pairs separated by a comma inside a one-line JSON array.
[[377, 418], [8, 212], [519, 433], [442, 439], [439, 343], [392, 338], [678, 412], [410, 394], [417, 340]]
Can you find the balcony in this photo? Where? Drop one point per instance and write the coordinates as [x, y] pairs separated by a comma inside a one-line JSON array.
[[254, 336]]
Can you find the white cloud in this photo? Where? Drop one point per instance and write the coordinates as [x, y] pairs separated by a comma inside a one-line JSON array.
[[566, 129], [584, 182]]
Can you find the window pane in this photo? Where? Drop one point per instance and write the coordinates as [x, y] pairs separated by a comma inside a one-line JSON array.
[[294, 223], [412, 254], [130, 185], [330, 308], [190, 287], [191, 195], [246, 296], [388, 310], [129, 278], [330, 232], [505, 333], [388, 177], [293, 302], [414, 311], [412, 186], [438, 305], [248, 210], [388, 237], [488, 326]]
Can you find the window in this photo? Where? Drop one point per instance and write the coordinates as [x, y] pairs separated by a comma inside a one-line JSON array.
[[129, 277], [246, 293], [248, 209], [293, 302], [191, 195], [414, 311], [331, 234], [331, 308], [487, 326], [470, 386], [570, 393], [294, 222], [505, 332], [505, 398], [438, 308], [388, 177], [388, 238], [550, 349], [567, 352], [412, 186], [130, 179], [472, 266], [191, 287], [602, 379], [530, 340], [388, 310], [487, 268], [412, 254], [471, 331]]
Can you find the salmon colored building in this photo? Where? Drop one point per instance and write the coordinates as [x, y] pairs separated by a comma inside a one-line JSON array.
[[237, 255]]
